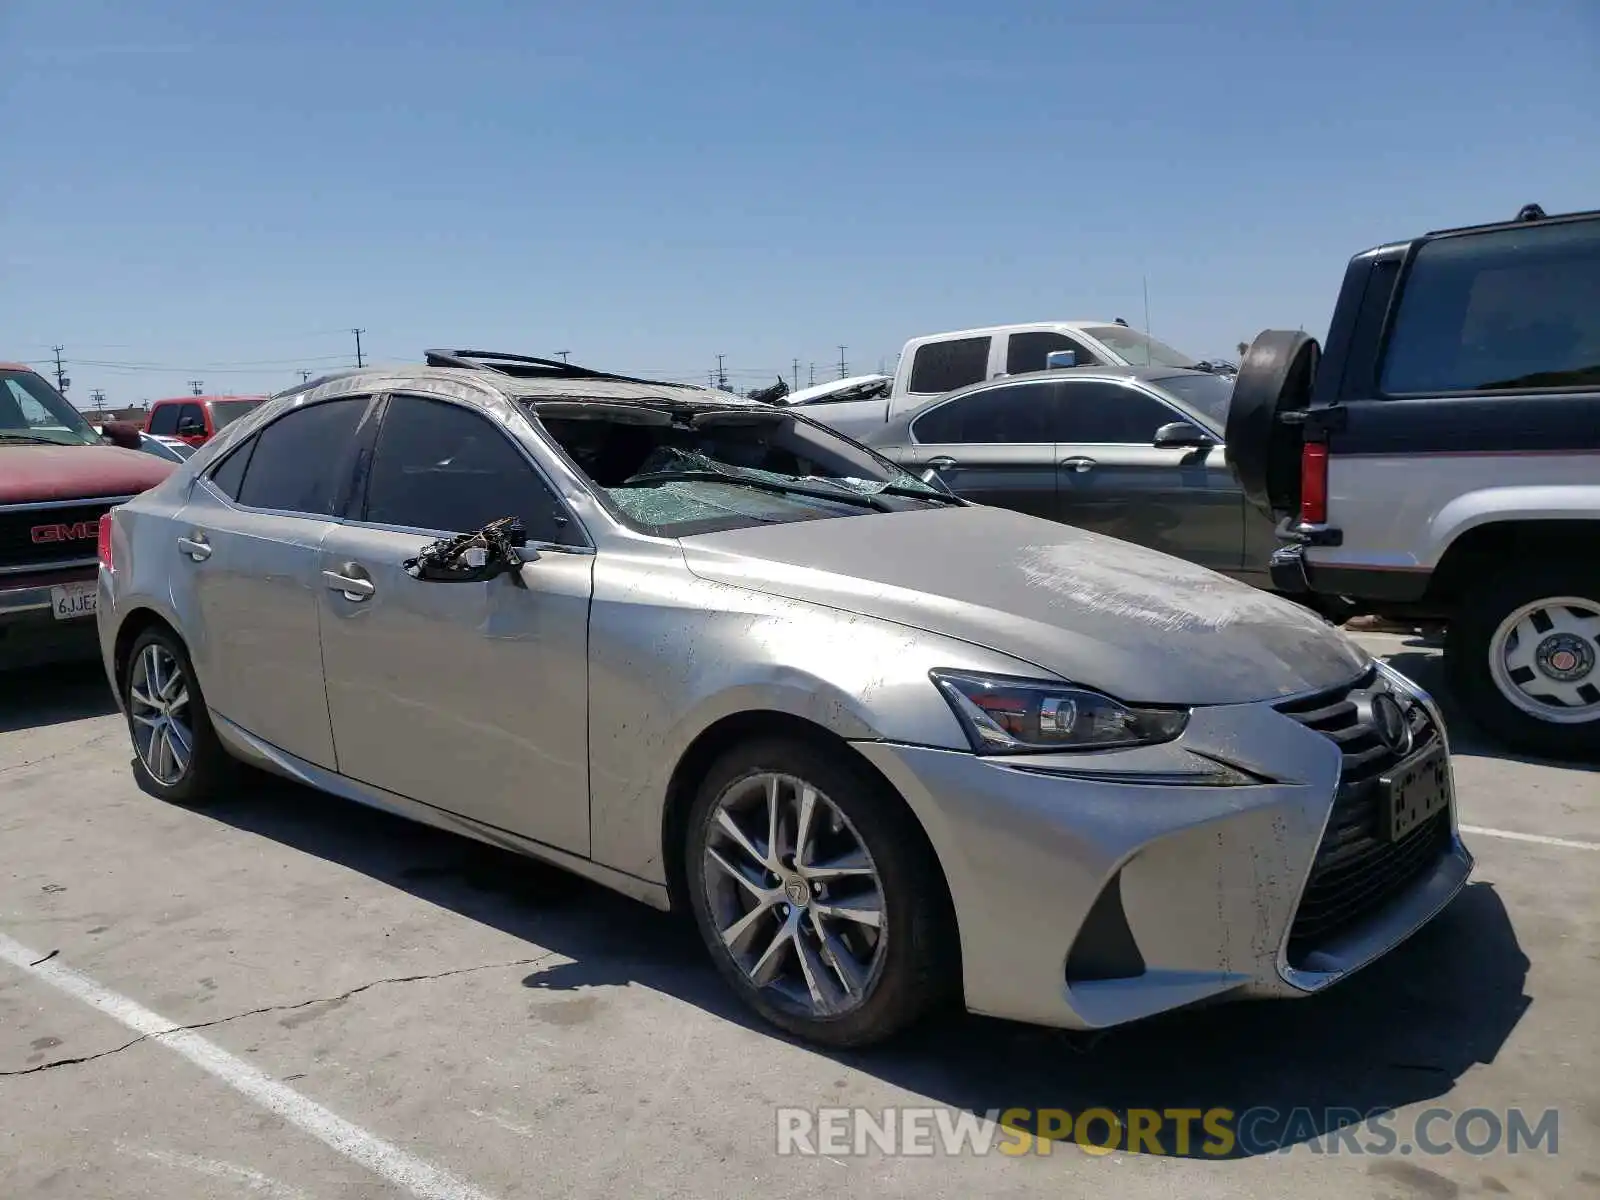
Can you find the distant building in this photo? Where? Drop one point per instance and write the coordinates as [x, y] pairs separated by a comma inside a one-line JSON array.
[[102, 416]]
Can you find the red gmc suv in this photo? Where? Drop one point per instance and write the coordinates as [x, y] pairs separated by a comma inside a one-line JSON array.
[[57, 476]]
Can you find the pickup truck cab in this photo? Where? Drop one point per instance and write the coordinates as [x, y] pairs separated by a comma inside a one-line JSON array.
[[57, 479], [1439, 460], [937, 363], [196, 419]]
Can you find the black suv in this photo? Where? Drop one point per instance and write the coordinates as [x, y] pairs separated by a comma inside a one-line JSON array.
[[1439, 459]]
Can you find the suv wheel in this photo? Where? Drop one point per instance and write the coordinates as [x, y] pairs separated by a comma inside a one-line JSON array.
[[816, 895], [177, 755], [1524, 657]]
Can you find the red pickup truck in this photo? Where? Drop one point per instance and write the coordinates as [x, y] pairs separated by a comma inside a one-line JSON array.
[[196, 419], [57, 476]]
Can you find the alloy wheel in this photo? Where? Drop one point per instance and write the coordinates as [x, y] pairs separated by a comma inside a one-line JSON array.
[[795, 895], [1545, 659], [158, 703]]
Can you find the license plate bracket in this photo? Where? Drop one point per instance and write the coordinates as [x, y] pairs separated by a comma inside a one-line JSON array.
[[1413, 793], [74, 601]]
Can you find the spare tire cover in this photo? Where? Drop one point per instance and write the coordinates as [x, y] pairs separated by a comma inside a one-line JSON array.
[[1264, 450]]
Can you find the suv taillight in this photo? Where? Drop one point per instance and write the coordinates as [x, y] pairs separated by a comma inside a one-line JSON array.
[[103, 550], [1314, 484]]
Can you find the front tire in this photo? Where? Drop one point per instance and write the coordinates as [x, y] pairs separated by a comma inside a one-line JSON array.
[[177, 755], [817, 895], [1523, 656]]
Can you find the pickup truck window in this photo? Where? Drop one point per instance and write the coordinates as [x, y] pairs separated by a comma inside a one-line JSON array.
[[945, 366], [32, 410], [1511, 309], [1011, 414], [1028, 351], [164, 420], [1139, 349]]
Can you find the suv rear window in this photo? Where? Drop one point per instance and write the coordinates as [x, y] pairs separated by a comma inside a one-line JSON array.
[[945, 366], [1507, 310]]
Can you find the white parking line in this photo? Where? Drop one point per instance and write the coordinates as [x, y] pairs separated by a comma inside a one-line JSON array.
[[404, 1171], [1541, 839]]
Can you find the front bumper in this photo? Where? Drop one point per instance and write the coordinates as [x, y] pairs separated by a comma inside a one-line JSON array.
[[1085, 902], [30, 635]]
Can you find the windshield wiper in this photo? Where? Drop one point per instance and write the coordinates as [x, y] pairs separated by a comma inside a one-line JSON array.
[[900, 489], [13, 435], [843, 495]]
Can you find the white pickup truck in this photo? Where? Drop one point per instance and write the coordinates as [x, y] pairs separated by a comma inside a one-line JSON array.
[[937, 363]]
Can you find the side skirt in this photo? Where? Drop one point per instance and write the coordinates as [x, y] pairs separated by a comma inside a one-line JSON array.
[[250, 749]]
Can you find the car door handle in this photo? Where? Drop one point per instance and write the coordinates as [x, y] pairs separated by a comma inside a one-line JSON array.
[[196, 547], [352, 587], [942, 463], [1078, 463]]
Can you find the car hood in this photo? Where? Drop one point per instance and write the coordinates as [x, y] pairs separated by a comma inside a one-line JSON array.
[[1142, 626], [38, 473]]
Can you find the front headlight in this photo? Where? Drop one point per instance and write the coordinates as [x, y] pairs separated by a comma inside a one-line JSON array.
[[1002, 715]]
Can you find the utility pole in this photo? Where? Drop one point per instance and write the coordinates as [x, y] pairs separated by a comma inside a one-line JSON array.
[[197, 386], [98, 397], [305, 375], [62, 382], [360, 362], [843, 370], [797, 374], [563, 354], [812, 382]]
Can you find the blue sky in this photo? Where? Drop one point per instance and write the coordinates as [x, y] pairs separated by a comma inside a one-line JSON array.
[[222, 190]]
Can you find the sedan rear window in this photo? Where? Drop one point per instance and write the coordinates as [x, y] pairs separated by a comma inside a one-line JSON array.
[[297, 465]]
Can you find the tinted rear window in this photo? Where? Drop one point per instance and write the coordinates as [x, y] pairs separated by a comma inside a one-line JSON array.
[[298, 461], [225, 412], [1513, 309], [946, 366]]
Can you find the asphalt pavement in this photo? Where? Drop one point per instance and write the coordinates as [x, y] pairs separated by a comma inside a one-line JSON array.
[[288, 996]]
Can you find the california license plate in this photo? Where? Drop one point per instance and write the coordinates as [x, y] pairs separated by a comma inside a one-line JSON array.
[[73, 600], [1415, 792]]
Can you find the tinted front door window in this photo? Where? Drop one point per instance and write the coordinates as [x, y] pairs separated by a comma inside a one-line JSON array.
[[441, 466], [1109, 413], [1028, 351]]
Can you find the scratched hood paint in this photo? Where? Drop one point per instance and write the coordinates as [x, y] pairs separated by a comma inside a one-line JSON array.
[[36, 473], [1140, 625]]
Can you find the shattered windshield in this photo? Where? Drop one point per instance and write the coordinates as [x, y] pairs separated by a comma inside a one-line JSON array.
[[685, 469]]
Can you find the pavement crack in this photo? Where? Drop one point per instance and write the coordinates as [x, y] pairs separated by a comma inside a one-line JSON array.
[[276, 1008]]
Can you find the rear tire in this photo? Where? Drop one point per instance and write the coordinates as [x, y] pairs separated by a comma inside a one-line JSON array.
[[796, 958], [177, 755], [1523, 657]]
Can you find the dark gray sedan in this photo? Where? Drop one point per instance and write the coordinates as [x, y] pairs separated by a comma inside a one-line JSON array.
[[1133, 453]]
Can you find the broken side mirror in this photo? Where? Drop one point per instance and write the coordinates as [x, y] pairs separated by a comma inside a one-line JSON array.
[[499, 548], [1182, 435]]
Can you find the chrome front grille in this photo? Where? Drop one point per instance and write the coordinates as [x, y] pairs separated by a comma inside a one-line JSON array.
[[1356, 872]]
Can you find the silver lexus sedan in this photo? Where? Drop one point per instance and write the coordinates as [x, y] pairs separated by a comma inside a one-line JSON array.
[[888, 748]]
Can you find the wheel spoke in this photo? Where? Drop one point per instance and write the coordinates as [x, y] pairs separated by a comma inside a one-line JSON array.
[[147, 720], [161, 755], [174, 684], [1583, 622], [178, 743], [737, 937], [738, 876], [863, 910], [178, 702], [142, 697], [729, 826], [1519, 656], [152, 670], [855, 863], [773, 812], [802, 828], [838, 956], [1565, 694], [768, 966], [825, 993]]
